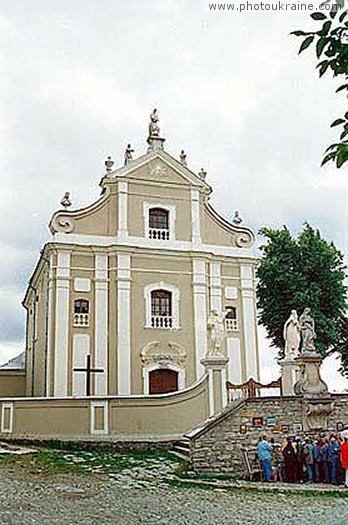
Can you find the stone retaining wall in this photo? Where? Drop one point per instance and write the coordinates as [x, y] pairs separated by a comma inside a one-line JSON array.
[[216, 445]]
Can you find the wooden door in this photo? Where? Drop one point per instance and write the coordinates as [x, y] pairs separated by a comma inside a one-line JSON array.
[[163, 381]]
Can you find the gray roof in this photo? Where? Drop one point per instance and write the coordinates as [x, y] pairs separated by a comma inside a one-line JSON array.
[[16, 363]]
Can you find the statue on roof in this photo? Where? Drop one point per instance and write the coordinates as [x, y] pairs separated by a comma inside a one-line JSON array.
[[154, 130], [183, 158], [128, 154]]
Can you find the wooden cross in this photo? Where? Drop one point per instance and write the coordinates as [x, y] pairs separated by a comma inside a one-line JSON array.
[[88, 371]]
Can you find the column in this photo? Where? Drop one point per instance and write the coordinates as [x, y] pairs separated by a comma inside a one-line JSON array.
[[215, 367], [200, 313], [235, 360], [215, 286], [122, 210], [49, 342], [61, 343], [101, 324], [249, 321], [195, 217], [123, 324]]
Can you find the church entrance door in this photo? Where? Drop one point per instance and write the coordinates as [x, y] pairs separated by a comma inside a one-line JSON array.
[[163, 381]]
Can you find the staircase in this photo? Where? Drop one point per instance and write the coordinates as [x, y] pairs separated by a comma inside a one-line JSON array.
[[181, 449]]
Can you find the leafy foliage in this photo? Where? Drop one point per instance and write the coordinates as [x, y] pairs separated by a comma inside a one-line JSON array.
[[298, 272], [331, 46]]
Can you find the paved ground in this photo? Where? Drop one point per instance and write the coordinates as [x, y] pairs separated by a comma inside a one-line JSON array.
[[140, 494]]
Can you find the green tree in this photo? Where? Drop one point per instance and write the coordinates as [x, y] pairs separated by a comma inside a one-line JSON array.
[[298, 272], [331, 46]]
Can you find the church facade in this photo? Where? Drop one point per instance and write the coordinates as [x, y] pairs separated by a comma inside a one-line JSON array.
[[119, 301]]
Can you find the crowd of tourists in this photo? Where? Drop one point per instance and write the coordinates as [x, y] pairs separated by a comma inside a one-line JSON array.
[[323, 460]]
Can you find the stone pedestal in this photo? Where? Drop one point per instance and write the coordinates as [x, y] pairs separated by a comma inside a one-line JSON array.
[[215, 367], [310, 383], [290, 372], [155, 143]]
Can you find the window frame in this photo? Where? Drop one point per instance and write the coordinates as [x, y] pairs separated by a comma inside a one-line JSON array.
[[171, 209], [175, 306]]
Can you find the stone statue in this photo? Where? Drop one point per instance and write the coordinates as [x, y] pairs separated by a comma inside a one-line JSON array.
[[307, 332], [292, 335], [128, 154], [154, 130], [216, 326], [237, 219], [109, 164], [202, 174], [183, 158], [66, 202]]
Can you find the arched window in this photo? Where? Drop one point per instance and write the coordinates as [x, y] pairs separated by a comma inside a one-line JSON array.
[[159, 224], [231, 318], [81, 312], [161, 309]]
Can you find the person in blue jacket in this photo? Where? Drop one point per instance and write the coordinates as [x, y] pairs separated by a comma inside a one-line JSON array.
[[264, 451], [334, 455]]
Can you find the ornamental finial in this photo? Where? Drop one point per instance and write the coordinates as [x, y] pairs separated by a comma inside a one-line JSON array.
[[109, 164], [66, 202], [237, 219]]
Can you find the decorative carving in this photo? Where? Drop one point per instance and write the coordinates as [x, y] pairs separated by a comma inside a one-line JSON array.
[[316, 414], [62, 224], [243, 239], [152, 353], [158, 171], [292, 336], [310, 382]]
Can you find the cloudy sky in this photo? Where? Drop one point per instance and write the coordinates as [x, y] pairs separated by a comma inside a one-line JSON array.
[[79, 78]]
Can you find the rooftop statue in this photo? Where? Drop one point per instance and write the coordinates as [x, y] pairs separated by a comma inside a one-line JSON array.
[[154, 130]]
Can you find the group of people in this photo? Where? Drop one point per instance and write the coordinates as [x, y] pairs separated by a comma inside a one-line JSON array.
[[305, 461]]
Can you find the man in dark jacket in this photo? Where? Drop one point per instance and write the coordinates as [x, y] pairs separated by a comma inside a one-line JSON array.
[[289, 455]]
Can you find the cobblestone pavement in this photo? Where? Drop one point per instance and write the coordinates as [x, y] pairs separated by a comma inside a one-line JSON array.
[[141, 496]]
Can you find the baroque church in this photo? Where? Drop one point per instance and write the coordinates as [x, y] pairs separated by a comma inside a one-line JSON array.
[[119, 301]]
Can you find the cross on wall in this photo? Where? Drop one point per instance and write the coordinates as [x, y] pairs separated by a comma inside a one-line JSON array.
[[89, 371]]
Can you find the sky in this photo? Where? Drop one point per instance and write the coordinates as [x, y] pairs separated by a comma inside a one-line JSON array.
[[78, 81]]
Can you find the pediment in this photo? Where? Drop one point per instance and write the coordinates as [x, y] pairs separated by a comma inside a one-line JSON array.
[[158, 166]]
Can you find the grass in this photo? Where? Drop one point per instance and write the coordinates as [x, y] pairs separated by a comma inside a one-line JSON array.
[[57, 457]]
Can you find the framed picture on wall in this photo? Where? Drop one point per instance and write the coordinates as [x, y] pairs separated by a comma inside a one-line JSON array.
[[285, 428], [340, 426], [271, 421], [297, 427], [243, 429], [257, 421]]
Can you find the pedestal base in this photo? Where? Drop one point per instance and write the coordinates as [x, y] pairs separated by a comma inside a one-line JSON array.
[[215, 367], [310, 382], [290, 374]]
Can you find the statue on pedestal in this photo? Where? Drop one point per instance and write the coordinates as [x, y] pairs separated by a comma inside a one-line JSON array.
[[292, 336], [154, 130], [128, 154], [216, 325], [307, 332]]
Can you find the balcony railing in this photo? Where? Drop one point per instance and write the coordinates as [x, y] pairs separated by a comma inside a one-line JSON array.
[[161, 321], [231, 325], [81, 319], [159, 234]]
